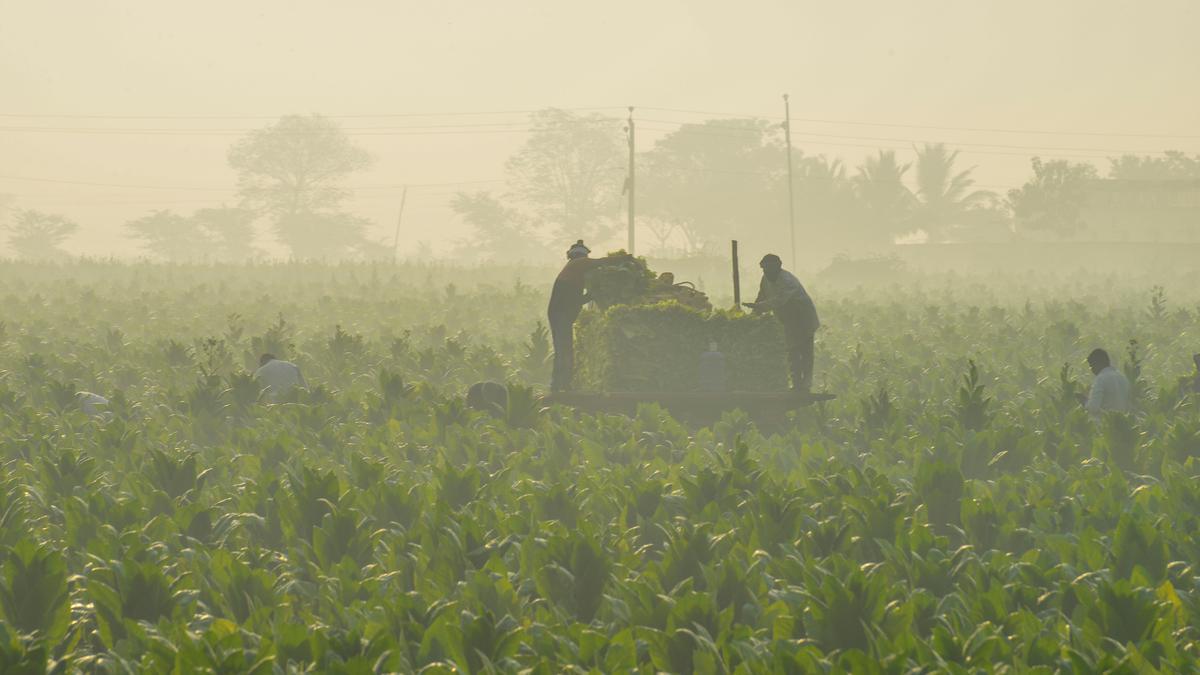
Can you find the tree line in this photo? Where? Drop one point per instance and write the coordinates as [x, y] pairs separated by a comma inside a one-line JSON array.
[[704, 183], [698, 185]]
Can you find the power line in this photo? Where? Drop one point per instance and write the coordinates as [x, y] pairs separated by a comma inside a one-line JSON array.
[[409, 128], [116, 185], [455, 113], [746, 129], [930, 126], [231, 189], [899, 147], [526, 111], [96, 131]]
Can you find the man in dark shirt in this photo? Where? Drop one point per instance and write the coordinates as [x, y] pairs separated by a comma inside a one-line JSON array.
[[566, 301], [782, 294]]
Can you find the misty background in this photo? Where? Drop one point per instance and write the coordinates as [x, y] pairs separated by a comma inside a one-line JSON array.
[[995, 131]]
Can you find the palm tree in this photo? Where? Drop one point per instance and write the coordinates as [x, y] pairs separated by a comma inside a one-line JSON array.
[[822, 195], [943, 198], [885, 201]]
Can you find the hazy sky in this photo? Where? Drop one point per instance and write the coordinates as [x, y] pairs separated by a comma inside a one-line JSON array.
[[1063, 65]]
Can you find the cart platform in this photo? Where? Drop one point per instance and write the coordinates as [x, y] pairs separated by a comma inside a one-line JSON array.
[[692, 406]]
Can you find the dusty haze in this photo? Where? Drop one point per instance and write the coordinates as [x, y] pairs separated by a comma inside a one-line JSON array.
[[147, 97]]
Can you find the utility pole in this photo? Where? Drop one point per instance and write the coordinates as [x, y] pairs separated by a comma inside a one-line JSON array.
[[737, 279], [787, 135], [629, 182], [399, 219]]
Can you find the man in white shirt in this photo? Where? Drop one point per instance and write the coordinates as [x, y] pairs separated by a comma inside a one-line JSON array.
[[782, 294], [277, 377], [1110, 390]]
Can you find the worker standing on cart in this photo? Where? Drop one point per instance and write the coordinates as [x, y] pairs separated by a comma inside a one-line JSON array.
[[782, 294], [566, 301]]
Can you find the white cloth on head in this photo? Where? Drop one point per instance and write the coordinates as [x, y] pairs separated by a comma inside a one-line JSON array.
[[90, 403], [279, 377], [1110, 391]]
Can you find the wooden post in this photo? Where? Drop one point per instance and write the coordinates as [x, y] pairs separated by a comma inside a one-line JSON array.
[[737, 279]]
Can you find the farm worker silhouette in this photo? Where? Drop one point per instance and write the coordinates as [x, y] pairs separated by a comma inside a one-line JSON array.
[[278, 378], [782, 294], [567, 298], [1190, 384], [1110, 390], [490, 397]]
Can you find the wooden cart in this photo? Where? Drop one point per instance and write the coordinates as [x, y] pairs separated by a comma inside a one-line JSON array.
[[766, 408]]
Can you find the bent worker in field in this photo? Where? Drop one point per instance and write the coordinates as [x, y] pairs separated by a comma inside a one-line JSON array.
[[93, 405], [278, 378], [1110, 390], [489, 397], [1190, 383], [782, 294], [566, 301]]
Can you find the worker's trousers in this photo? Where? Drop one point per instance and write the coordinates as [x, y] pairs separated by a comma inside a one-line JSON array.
[[800, 356], [799, 331], [562, 333]]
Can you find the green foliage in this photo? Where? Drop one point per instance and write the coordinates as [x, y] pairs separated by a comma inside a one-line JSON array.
[[33, 596], [972, 405], [940, 487], [1054, 198], [878, 410], [623, 282], [658, 348], [1138, 545], [928, 520], [538, 351]]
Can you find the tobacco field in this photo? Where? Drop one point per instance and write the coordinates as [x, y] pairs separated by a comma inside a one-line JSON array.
[[953, 510]]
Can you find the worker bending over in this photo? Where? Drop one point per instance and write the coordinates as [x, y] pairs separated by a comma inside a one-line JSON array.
[[278, 378], [782, 294], [566, 301], [1190, 384]]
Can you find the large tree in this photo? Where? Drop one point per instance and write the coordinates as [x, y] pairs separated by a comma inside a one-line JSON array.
[[229, 231], [498, 231], [570, 173], [1171, 165], [37, 235], [1053, 199], [944, 198], [713, 181], [170, 236], [1152, 197], [293, 173], [215, 234]]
